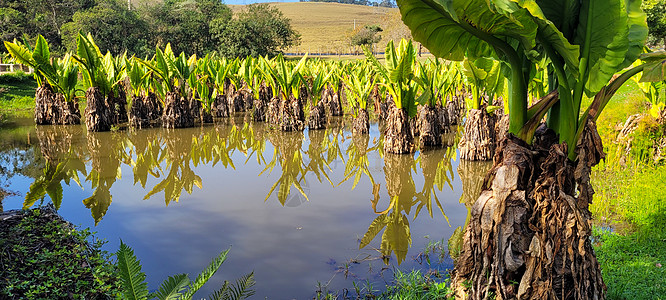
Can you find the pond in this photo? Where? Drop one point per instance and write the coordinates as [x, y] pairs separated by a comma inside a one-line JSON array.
[[304, 210]]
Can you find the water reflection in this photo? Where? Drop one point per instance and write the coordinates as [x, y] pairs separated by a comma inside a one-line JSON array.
[[168, 162]]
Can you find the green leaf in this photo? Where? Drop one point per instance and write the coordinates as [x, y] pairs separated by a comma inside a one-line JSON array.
[[242, 289], [21, 54], [132, 279], [602, 34], [375, 227], [172, 287], [206, 274], [467, 30]]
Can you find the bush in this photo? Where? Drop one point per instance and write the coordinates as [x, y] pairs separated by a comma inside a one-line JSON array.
[[16, 78]]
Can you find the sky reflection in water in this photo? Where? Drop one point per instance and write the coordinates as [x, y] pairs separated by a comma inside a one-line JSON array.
[[295, 207]]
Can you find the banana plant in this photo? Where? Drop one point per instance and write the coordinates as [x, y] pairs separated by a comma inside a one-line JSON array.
[[61, 73], [437, 80], [485, 76], [138, 77], [286, 79], [586, 44], [94, 65], [359, 82], [320, 76], [397, 74]]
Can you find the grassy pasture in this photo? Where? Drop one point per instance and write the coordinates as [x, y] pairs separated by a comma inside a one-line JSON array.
[[327, 27]]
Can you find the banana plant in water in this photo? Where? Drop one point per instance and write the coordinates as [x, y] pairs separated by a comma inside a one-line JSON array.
[[586, 43], [286, 81], [360, 82], [134, 286], [52, 75], [397, 76], [318, 76]]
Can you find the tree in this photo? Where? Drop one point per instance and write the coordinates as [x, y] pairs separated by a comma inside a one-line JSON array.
[[529, 232], [656, 20], [258, 30], [367, 36], [112, 25], [186, 24]]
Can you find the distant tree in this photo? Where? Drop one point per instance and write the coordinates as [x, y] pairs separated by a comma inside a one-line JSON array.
[[186, 24], [32, 17], [114, 27], [656, 20], [367, 36], [258, 30]]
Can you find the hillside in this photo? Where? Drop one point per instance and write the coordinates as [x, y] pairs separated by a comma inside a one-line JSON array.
[[327, 27]]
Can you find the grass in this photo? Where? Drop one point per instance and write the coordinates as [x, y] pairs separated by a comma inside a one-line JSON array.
[[17, 92], [328, 27], [629, 199]]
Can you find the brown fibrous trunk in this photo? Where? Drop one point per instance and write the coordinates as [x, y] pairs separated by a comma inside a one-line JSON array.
[[220, 107], [529, 232], [478, 140], [176, 112], [430, 134], [317, 117], [99, 117], [361, 123], [138, 114], [398, 137]]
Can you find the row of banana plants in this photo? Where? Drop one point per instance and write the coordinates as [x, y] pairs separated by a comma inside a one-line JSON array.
[[414, 98]]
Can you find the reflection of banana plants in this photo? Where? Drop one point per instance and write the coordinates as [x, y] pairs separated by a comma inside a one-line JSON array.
[[50, 183], [396, 237], [358, 163], [437, 172], [287, 151]]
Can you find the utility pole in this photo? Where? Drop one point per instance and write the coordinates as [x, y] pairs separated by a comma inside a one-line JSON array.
[[354, 22], [129, 5]]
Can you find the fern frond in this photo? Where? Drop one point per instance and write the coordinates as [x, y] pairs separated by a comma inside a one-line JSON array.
[[205, 275], [133, 281], [172, 287], [242, 289]]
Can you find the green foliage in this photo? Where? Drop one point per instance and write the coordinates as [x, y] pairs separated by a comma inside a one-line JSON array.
[[367, 36], [258, 30], [281, 74], [359, 82], [114, 27], [485, 76], [414, 285], [44, 257], [656, 20], [179, 286], [397, 74]]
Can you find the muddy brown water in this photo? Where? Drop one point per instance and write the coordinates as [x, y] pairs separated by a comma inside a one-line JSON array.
[[304, 210]]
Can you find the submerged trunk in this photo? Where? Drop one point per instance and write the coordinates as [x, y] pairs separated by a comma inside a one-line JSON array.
[[220, 107], [51, 108], [384, 108], [456, 109], [429, 128], [206, 117], [44, 110], [361, 123], [398, 137], [138, 114], [99, 116], [259, 111], [443, 117], [334, 105], [478, 139], [529, 232], [195, 108], [153, 106], [273, 113], [118, 106], [176, 112], [291, 116], [317, 117]]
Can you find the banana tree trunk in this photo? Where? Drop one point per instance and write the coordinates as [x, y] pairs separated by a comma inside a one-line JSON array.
[[317, 117], [361, 123], [99, 117], [259, 111], [398, 137], [44, 110], [177, 112], [529, 232], [154, 108], [138, 115], [478, 140], [291, 116], [220, 107], [429, 128]]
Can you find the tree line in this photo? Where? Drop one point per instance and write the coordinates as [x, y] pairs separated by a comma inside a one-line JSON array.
[[191, 26]]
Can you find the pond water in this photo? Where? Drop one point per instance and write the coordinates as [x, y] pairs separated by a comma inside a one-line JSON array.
[[305, 211]]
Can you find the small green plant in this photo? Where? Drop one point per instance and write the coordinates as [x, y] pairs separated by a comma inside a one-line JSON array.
[[134, 286]]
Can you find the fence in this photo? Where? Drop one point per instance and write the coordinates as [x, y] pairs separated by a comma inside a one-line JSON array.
[[11, 68]]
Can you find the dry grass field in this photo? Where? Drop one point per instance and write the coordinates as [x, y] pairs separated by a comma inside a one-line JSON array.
[[327, 27]]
